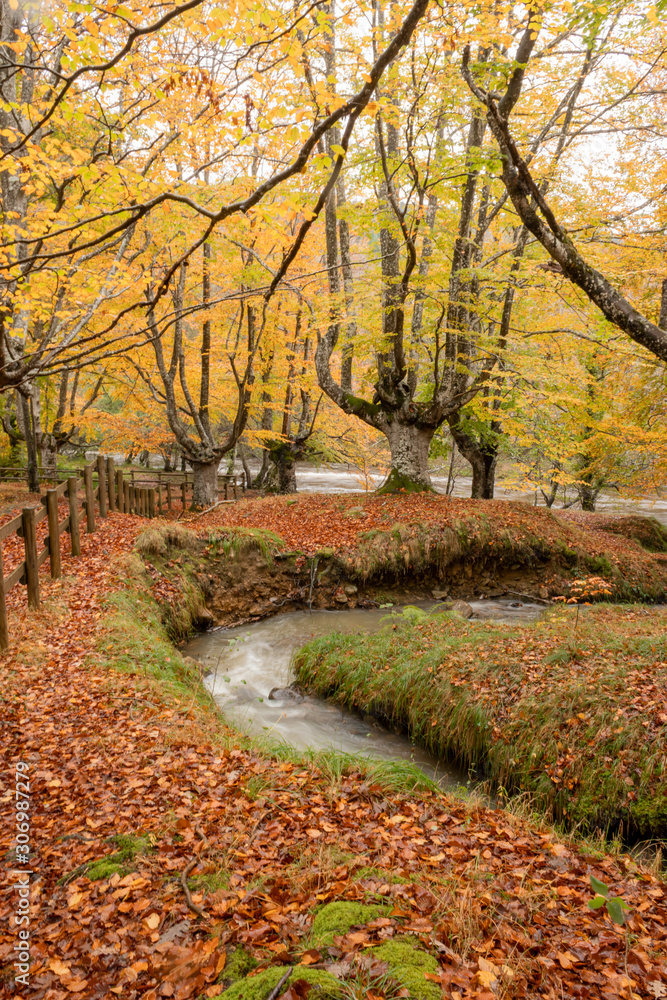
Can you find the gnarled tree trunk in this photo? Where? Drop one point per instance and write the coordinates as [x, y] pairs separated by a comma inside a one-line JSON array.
[[48, 447], [205, 491], [409, 446], [283, 458], [483, 458]]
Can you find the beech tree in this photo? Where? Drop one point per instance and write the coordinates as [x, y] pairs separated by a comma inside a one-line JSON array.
[[532, 205], [108, 133]]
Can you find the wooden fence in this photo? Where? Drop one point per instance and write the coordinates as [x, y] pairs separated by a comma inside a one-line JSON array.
[[113, 490]]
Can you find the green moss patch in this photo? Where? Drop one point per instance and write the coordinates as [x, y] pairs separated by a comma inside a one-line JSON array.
[[259, 987], [408, 963], [121, 861], [338, 918], [570, 711], [237, 966]]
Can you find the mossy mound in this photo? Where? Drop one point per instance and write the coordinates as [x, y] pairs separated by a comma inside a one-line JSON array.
[[237, 966], [648, 531], [582, 678], [408, 964], [397, 482], [259, 987], [121, 861], [337, 918]]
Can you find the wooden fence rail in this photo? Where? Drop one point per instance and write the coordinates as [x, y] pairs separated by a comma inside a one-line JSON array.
[[113, 490]]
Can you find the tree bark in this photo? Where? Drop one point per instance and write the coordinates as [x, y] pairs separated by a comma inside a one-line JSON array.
[[31, 446], [483, 458], [409, 446], [49, 451], [205, 492], [284, 461]]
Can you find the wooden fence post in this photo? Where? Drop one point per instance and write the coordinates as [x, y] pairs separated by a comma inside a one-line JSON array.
[[30, 545], [236, 496], [169, 494], [183, 493], [90, 498], [111, 484], [73, 497], [54, 533], [151, 503], [4, 631], [120, 492], [159, 496], [101, 485]]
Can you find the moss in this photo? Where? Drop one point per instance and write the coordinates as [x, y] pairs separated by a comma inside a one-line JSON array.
[[408, 963], [420, 988], [337, 918], [105, 868], [259, 987], [406, 952], [212, 882], [237, 966], [129, 846], [396, 482], [360, 408]]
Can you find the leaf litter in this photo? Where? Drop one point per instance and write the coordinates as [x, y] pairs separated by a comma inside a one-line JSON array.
[[499, 901]]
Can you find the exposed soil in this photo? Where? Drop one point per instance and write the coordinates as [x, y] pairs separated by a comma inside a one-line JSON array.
[[256, 558]]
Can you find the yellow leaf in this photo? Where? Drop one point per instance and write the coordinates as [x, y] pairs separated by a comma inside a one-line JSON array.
[[152, 921], [60, 968]]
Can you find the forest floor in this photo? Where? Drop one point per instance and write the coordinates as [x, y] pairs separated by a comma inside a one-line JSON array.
[[365, 884]]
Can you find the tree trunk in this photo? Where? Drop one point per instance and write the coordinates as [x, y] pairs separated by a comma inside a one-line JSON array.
[[483, 475], [483, 458], [49, 450], [205, 492], [409, 446], [284, 461], [589, 495], [31, 446]]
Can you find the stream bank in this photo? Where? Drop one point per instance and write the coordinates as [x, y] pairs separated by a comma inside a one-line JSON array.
[[249, 674], [337, 554], [563, 729], [568, 711]]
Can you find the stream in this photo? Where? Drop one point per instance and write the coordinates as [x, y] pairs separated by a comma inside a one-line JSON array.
[[246, 663]]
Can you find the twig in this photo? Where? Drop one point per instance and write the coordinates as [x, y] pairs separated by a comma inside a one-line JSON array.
[[202, 836], [184, 882], [188, 868], [275, 992]]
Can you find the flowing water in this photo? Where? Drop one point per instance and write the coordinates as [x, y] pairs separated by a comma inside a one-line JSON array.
[[245, 664]]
